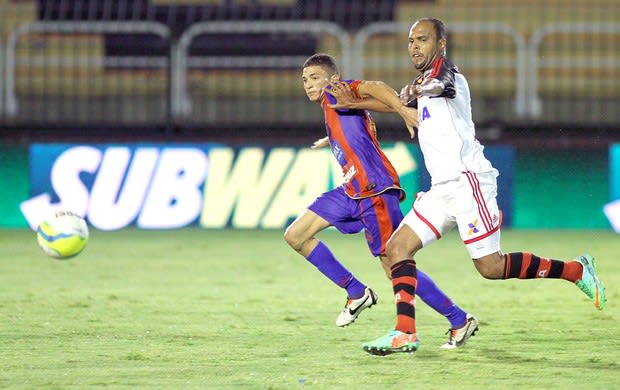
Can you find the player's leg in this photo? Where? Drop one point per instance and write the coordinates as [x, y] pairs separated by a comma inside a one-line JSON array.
[[403, 274], [430, 293], [525, 265], [462, 324], [380, 215], [479, 228], [424, 224], [328, 210], [300, 235], [400, 250]]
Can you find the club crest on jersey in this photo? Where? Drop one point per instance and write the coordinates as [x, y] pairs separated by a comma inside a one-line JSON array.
[[425, 114]]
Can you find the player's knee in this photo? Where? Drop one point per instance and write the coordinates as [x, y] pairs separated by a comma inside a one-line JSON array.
[[293, 237], [489, 273], [395, 250], [400, 247], [490, 266]]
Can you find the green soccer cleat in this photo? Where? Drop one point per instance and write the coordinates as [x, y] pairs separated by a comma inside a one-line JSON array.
[[394, 341], [590, 283]]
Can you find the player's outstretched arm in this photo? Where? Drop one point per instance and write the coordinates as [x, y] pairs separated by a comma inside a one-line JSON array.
[[388, 96], [345, 98]]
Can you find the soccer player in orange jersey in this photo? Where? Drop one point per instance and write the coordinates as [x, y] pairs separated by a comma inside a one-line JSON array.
[[369, 198]]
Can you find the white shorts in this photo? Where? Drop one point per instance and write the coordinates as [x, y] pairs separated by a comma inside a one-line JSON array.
[[468, 202]]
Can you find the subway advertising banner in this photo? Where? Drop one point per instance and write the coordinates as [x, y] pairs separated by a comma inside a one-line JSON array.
[[161, 186], [164, 186]]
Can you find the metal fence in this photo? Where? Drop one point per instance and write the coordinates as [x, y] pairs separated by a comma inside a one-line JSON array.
[[235, 65]]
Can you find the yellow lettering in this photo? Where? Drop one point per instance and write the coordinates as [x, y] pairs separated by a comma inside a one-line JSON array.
[[248, 184], [307, 179]]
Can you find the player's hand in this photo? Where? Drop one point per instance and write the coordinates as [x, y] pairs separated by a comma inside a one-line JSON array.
[[408, 93], [320, 143], [410, 116], [343, 93], [411, 130]]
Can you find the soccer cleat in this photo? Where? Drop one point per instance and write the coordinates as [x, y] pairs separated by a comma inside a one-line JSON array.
[[459, 336], [354, 307], [590, 283], [394, 341]]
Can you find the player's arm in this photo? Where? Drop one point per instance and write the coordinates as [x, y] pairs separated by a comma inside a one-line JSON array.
[[346, 98], [440, 85], [382, 92], [387, 95], [373, 96]]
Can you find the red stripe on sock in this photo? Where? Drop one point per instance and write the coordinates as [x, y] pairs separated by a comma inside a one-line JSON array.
[[525, 264], [572, 271], [405, 280], [405, 324]]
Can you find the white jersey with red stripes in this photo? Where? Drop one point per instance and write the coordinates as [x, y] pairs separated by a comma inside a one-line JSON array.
[[464, 187], [446, 131]]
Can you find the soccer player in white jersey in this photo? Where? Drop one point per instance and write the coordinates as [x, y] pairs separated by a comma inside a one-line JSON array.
[[462, 194]]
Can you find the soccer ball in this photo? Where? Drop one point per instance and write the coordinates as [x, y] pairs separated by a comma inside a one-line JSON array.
[[62, 235]]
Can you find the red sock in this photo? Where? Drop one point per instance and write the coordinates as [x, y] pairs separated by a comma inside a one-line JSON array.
[[404, 283], [525, 265]]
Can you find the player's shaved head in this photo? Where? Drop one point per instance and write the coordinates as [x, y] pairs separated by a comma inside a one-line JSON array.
[[438, 26]]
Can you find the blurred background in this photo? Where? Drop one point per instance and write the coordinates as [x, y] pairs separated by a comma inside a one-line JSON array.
[[175, 68], [544, 78]]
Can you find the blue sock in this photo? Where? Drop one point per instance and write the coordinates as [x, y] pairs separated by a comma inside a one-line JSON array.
[[430, 294], [323, 259]]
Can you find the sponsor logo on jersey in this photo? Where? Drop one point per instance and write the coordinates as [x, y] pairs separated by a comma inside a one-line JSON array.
[[425, 114], [473, 229], [349, 174], [338, 153]]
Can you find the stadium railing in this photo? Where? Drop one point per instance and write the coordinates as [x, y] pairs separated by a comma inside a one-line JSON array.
[[182, 62], [538, 61], [127, 27], [522, 65]]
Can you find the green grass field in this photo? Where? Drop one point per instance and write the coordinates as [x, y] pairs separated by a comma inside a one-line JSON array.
[[209, 309]]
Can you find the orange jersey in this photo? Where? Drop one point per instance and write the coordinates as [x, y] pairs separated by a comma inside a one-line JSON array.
[[353, 140]]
